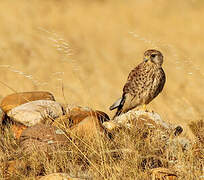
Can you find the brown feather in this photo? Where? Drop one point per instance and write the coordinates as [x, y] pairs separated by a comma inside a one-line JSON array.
[[144, 83]]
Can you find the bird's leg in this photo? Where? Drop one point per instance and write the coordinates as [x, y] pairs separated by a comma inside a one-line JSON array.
[[144, 108]]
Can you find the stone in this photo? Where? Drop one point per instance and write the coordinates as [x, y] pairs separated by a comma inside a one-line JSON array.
[[13, 165], [2, 115], [34, 112], [42, 137], [150, 126], [17, 129], [13, 100], [90, 126], [163, 174], [82, 121], [59, 176], [141, 119]]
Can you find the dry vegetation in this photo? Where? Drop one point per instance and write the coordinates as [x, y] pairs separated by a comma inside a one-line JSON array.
[[130, 154], [82, 51]]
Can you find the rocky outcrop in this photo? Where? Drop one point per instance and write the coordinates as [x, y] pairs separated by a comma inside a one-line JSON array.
[[42, 137], [77, 121], [82, 121], [13, 100], [148, 128], [140, 120], [24, 109], [163, 174], [34, 112]]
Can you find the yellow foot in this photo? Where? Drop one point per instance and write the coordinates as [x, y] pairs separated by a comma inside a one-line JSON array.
[[144, 108]]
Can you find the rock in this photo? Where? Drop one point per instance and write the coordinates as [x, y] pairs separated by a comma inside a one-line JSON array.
[[82, 121], [12, 166], [89, 126], [148, 126], [163, 174], [17, 129], [42, 137], [141, 119], [2, 115], [16, 99], [59, 176], [31, 113]]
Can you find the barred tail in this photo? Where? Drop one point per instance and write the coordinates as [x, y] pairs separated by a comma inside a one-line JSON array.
[[119, 105], [115, 104]]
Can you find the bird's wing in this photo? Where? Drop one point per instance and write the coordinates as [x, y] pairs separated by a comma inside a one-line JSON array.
[[119, 103], [130, 89], [162, 80], [133, 79]]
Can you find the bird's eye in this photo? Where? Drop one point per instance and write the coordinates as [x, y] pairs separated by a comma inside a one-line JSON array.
[[153, 55]]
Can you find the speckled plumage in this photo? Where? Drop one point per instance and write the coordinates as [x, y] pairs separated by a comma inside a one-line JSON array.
[[144, 83]]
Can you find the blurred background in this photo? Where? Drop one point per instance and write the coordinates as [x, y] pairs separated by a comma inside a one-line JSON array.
[[83, 50]]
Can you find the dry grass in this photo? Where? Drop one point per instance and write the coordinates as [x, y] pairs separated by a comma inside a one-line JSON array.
[[82, 52], [131, 154]]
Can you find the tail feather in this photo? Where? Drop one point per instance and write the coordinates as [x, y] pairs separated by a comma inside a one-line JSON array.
[[119, 105], [116, 104]]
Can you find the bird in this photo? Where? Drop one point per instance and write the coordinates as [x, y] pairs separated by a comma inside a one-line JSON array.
[[144, 83]]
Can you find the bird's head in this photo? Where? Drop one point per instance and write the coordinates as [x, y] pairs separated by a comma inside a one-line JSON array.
[[153, 56]]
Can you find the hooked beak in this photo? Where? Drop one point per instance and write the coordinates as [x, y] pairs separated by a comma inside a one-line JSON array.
[[145, 59]]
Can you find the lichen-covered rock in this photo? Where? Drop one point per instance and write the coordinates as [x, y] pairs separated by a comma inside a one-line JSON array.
[[42, 137], [149, 127], [59, 176], [163, 174], [34, 112], [16, 99], [141, 119], [82, 121]]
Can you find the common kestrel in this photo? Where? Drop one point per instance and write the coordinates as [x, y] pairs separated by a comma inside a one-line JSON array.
[[144, 83]]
